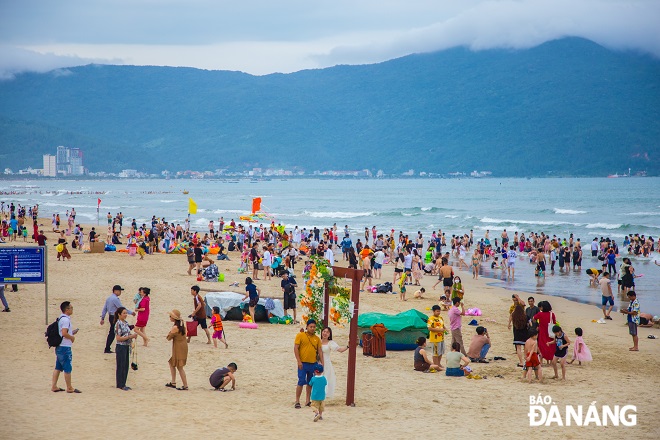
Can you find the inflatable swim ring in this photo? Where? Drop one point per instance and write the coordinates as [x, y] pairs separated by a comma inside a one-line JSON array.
[[251, 325]]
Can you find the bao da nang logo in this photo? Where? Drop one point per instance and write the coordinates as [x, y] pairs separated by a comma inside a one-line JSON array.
[[543, 411]]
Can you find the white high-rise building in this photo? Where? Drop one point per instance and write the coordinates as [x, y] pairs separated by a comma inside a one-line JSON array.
[[70, 161], [50, 165], [76, 167]]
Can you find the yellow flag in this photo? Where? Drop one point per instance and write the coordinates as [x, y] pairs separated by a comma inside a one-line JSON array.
[[192, 206]]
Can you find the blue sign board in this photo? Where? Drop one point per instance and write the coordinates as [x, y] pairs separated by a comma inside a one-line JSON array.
[[22, 265]]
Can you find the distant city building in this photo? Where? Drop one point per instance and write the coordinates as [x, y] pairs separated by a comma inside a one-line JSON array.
[[128, 173], [50, 165], [76, 167], [69, 161]]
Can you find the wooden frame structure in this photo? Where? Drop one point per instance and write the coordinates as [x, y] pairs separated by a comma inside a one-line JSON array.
[[355, 275]]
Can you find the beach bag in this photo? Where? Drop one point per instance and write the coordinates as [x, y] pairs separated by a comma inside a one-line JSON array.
[[191, 327], [53, 334], [551, 334]]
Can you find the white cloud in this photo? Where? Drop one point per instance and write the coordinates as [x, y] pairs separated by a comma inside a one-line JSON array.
[[291, 35], [517, 24], [14, 60]]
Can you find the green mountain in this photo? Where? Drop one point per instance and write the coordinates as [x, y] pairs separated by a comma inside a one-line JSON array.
[[567, 107]]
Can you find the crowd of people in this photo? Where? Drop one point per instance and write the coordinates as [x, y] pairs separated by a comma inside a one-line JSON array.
[[267, 251]]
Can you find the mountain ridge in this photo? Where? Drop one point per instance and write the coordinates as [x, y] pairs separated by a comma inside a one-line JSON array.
[[568, 107]]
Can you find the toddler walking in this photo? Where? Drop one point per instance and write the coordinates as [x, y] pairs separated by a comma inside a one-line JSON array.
[[318, 383], [218, 332], [581, 352], [532, 361], [561, 342]]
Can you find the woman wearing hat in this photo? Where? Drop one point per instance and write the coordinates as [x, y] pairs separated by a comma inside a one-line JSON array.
[[179, 350]]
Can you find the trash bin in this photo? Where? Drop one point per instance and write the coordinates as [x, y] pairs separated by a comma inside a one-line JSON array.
[[367, 337]]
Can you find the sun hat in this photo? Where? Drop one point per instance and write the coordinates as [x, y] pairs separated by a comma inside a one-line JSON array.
[[175, 314]]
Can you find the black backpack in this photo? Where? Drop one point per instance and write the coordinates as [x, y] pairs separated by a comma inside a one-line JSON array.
[[53, 334]]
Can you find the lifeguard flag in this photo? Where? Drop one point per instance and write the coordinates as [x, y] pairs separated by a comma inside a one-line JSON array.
[[192, 206], [256, 205], [98, 202]]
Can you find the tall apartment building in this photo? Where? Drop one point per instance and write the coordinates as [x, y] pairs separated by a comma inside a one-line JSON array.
[[50, 165], [70, 161]]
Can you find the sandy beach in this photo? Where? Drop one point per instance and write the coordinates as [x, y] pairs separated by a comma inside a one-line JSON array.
[[391, 398]]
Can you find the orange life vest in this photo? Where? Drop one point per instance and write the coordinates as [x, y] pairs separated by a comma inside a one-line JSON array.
[[217, 324]]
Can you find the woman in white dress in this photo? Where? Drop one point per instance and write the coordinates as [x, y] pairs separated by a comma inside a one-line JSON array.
[[328, 346]]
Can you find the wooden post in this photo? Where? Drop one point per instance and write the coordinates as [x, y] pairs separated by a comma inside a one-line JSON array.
[[355, 276]]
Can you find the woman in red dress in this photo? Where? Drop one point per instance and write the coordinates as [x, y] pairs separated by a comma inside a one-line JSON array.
[[545, 317], [143, 307]]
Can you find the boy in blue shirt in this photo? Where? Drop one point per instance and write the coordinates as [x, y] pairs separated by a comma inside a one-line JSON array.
[[318, 384]]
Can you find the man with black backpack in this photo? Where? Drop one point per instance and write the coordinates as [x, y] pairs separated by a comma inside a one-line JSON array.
[[63, 354]]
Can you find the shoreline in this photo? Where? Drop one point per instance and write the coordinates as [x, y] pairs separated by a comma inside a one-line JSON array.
[[495, 281]]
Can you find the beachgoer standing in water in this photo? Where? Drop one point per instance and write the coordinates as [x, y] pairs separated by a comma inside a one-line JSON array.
[[511, 262], [476, 263]]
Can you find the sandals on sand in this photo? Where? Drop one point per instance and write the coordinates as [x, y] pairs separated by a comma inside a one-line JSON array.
[[75, 391], [182, 388], [297, 405], [58, 390], [170, 385]]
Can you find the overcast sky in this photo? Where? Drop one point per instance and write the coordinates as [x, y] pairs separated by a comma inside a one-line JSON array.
[[265, 36]]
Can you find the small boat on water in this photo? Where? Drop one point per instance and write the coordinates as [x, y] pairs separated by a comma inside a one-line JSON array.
[[185, 191]]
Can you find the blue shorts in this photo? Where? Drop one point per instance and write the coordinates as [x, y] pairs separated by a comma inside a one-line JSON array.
[[305, 373], [456, 372], [377, 266], [63, 359], [607, 300]]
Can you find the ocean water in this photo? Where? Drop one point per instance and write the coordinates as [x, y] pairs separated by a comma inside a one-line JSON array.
[[587, 208]]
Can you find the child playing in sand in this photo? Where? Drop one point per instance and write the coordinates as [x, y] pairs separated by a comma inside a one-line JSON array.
[[532, 362], [580, 350], [445, 304], [318, 384], [218, 332], [222, 376], [561, 342], [419, 294]]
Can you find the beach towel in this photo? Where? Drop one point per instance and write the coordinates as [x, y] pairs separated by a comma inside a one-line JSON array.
[[379, 330]]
